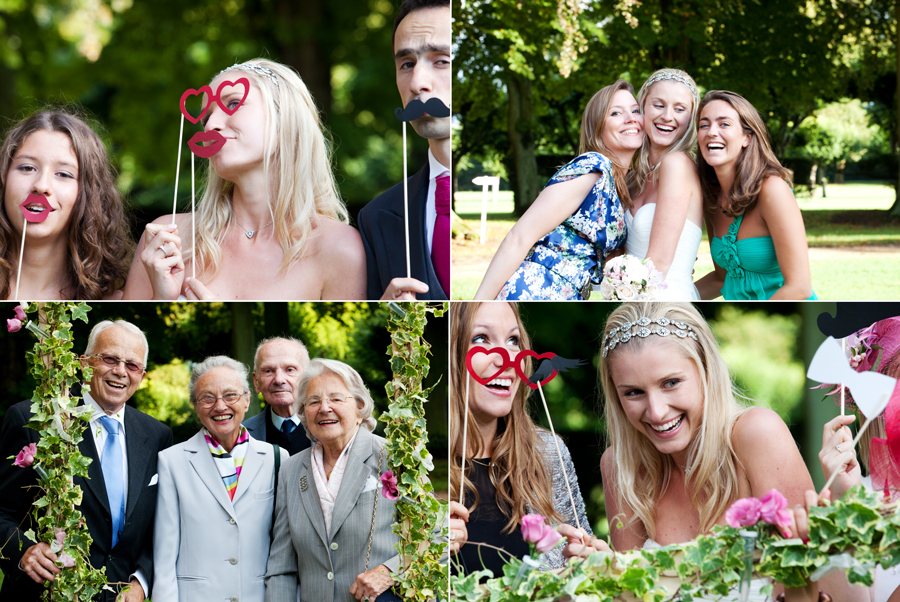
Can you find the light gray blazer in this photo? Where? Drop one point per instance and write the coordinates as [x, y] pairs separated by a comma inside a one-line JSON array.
[[302, 553], [206, 546]]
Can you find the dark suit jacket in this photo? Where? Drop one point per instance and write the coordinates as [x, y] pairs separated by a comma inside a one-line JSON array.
[[261, 428], [145, 437], [382, 230]]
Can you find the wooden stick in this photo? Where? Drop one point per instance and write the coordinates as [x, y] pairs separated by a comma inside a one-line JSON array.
[[881, 405], [843, 388], [21, 254], [193, 224], [559, 455], [406, 214], [178, 168], [465, 431]]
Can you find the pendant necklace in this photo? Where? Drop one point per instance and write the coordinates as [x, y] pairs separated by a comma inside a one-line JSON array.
[[250, 233]]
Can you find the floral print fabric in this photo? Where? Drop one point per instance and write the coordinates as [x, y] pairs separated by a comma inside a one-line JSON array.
[[570, 259]]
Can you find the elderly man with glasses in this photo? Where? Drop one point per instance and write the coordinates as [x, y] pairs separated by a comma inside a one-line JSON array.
[[119, 497]]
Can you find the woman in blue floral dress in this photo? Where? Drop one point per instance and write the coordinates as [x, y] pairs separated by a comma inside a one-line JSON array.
[[558, 247]]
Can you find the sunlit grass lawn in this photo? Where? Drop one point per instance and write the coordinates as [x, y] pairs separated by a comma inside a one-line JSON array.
[[854, 246]]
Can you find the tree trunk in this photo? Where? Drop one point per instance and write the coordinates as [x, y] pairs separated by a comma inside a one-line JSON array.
[[522, 168], [277, 322], [895, 210], [243, 343]]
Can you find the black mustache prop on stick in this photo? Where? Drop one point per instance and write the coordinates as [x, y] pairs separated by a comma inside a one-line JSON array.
[[551, 365], [415, 108]]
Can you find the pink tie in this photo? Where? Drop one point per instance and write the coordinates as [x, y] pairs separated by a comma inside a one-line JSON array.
[[440, 242]]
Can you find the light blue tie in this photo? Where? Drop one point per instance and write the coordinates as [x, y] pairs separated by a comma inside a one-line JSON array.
[[111, 463]]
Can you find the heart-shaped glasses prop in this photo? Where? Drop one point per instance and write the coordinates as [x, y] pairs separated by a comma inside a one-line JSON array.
[[871, 391], [35, 208], [550, 366], [196, 143], [414, 109]]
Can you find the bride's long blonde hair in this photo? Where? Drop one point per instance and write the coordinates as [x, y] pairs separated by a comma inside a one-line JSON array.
[[642, 473], [296, 163]]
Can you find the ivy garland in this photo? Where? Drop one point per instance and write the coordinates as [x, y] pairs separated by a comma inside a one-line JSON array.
[[60, 421], [853, 533], [423, 576]]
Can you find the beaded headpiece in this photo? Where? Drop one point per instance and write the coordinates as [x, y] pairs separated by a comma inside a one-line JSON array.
[[257, 69], [623, 334], [668, 75]]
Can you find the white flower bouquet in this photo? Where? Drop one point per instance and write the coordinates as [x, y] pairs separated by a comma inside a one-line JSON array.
[[627, 278]]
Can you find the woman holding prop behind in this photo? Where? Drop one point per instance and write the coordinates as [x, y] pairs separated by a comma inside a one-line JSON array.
[[511, 467], [742, 180], [566, 234], [682, 449], [271, 224]]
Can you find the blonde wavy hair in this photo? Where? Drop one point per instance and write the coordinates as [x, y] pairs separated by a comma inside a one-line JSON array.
[[591, 140], [642, 473], [517, 470], [641, 171], [297, 164]]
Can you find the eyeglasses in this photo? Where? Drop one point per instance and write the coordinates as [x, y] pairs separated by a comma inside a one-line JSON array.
[[208, 401], [113, 361], [332, 400]]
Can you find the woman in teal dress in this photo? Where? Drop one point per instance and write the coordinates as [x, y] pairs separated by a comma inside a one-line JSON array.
[[755, 228], [558, 247]]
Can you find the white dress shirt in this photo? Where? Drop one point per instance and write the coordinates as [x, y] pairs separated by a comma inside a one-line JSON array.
[[278, 420], [435, 170]]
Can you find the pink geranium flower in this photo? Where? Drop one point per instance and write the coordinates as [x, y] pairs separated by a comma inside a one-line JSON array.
[[60, 537], [532, 527], [389, 486], [66, 560], [25, 458], [548, 540], [773, 509], [20, 313], [743, 513], [14, 325]]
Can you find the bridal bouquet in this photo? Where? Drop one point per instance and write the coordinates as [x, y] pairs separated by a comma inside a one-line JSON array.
[[628, 278]]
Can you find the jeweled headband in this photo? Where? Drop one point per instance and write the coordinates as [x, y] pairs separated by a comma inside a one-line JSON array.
[[622, 334], [258, 69], [679, 78]]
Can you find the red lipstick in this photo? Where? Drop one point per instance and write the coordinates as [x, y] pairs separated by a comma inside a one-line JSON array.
[[205, 152], [36, 215]]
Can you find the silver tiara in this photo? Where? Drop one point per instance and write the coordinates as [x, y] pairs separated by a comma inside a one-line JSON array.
[[622, 334], [661, 76], [257, 69]]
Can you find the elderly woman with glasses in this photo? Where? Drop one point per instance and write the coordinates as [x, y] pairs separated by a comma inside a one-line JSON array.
[[215, 498], [332, 523]]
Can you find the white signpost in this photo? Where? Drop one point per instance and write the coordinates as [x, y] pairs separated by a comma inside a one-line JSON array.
[[486, 181]]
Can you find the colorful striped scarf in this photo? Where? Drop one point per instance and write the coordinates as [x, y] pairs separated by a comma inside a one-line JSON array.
[[229, 464]]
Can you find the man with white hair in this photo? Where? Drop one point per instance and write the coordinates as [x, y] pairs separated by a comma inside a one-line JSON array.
[[119, 495], [277, 367]]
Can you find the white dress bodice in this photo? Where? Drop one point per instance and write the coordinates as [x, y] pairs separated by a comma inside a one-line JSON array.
[[679, 279], [755, 584]]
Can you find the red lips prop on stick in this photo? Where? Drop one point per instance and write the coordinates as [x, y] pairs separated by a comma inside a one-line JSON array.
[[547, 371], [35, 208]]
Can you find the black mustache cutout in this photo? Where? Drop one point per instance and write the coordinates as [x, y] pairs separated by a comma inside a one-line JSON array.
[[416, 108]]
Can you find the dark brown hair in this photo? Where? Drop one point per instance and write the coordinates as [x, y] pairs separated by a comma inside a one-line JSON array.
[[754, 165], [100, 244], [595, 114], [518, 472]]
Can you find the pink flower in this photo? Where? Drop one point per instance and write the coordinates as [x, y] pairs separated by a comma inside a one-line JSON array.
[[14, 325], [25, 458], [548, 540], [743, 513], [389, 486], [66, 560], [773, 509], [20, 313], [60, 537], [533, 527]]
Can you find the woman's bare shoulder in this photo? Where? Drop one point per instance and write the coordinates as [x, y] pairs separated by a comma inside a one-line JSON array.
[[680, 162]]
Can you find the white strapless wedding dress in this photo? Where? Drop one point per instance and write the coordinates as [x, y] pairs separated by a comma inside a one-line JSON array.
[[679, 280], [755, 584]]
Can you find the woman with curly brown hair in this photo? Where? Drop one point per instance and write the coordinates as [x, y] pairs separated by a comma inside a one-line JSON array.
[[742, 180], [512, 468], [54, 162]]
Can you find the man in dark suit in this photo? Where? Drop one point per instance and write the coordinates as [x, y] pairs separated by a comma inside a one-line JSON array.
[[277, 367], [119, 497], [422, 58]]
